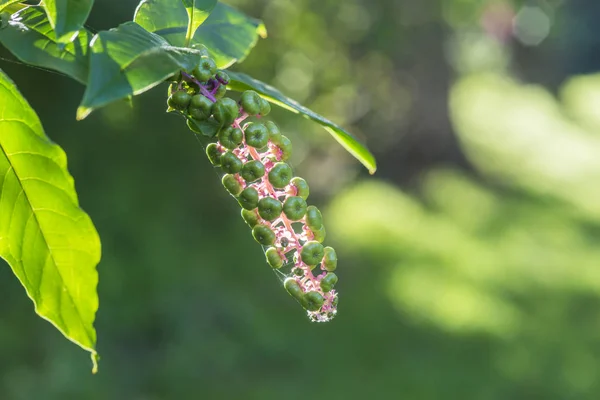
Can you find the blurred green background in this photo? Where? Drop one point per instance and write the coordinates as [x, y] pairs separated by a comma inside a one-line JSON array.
[[469, 264]]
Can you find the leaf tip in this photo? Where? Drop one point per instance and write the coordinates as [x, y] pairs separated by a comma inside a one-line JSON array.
[[95, 358], [82, 112], [262, 30], [370, 163]]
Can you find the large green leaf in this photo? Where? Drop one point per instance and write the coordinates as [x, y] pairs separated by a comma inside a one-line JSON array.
[[167, 18], [48, 241], [197, 11], [241, 82], [67, 16], [174, 20], [228, 33], [129, 60], [29, 36], [4, 4]]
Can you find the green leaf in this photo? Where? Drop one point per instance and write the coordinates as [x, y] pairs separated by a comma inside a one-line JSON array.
[[48, 241], [167, 18], [241, 82], [67, 17], [197, 11], [129, 60], [29, 36], [5, 5], [228, 33], [176, 21]]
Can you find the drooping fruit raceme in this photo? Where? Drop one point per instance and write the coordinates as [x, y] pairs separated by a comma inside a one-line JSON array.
[[252, 157]]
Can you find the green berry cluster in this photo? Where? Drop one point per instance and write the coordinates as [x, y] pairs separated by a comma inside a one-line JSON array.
[[252, 155]]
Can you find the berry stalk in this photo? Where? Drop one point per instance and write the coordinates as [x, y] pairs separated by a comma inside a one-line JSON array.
[[253, 157]]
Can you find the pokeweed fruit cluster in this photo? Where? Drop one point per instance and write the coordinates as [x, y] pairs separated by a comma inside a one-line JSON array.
[[252, 156]]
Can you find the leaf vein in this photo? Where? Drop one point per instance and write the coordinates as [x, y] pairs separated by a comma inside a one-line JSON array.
[[56, 264]]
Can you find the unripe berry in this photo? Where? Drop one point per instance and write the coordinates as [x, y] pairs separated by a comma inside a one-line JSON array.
[[285, 145], [205, 69], [221, 91], [250, 102], [294, 208], [269, 208], [312, 253], [230, 137], [280, 175], [329, 259], [248, 199], [314, 301], [222, 77], [263, 235], [274, 257], [301, 186], [265, 107], [274, 133], [232, 185], [200, 107], [314, 219], [230, 163], [257, 135], [328, 282], [294, 289], [250, 216], [319, 234], [201, 101], [214, 154], [197, 114], [225, 110], [252, 171], [297, 271], [180, 100]]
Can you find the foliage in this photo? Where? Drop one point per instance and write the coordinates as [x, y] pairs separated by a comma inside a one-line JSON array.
[[128, 60], [243, 82], [465, 275], [32, 40], [49, 242], [228, 34], [165, 39]]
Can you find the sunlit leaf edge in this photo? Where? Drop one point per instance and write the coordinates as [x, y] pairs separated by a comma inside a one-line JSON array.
[[241, 82], [7, 84]]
